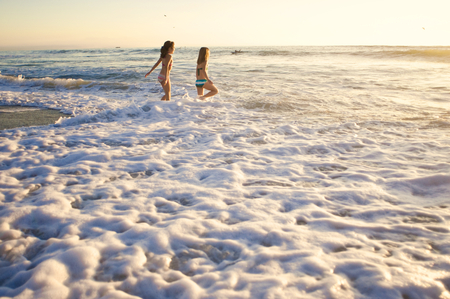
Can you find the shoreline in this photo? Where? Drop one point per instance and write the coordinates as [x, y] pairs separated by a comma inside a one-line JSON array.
[[12, 117]]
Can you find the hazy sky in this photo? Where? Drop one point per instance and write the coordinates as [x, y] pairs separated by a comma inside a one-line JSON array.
[[62, 24]]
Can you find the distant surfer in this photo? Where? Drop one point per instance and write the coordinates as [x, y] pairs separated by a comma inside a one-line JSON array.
[[203, 81], [164, 76], [236, 52]]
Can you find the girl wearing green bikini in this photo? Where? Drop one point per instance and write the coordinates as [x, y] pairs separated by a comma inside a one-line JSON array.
[[164, 76], [203, 81]]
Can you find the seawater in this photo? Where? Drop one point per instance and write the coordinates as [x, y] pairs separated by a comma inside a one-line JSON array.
[[333, 83], [316, 172]]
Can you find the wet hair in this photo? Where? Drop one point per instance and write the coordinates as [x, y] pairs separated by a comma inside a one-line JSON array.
[[203, 55], [164, 49]]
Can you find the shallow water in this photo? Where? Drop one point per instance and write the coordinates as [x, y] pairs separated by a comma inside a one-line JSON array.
[[317, 172]]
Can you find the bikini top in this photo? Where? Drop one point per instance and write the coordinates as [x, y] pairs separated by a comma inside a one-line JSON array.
[[169, 64], [200, 68]]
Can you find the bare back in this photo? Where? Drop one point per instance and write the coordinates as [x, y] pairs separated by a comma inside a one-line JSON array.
[[201, 71]]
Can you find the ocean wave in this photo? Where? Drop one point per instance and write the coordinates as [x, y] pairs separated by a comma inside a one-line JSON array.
[[269, 105], [438, 54], [428, 54], [46, 83], [285, 53], [63, 83], [135, 110], [128, 112]]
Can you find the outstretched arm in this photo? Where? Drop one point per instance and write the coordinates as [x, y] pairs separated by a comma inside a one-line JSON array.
[[154, 67]]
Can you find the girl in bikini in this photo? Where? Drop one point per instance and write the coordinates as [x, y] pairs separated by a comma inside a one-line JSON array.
[[203, 81], [164, 76]]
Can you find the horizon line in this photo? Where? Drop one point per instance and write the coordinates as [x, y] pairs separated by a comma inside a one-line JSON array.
[[13, 49]]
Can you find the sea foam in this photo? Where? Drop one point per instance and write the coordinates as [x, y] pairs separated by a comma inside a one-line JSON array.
[[131, 197]]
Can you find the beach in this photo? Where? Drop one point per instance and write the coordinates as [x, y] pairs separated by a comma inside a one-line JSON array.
[[17, 116], [328, 177]]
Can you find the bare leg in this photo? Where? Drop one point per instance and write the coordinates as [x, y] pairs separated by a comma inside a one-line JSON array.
[[212, 91], [199, 91], [166, 88]]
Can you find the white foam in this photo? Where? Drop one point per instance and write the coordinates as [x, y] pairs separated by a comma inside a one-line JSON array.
[[188, 199]]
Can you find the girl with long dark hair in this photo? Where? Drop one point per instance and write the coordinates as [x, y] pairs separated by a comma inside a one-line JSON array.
[[164, 76]]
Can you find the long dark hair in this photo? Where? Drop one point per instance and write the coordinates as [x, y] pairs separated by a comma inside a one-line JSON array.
[[164, 49], [203, 55]]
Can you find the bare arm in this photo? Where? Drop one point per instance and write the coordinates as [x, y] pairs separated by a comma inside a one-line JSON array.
[[154, 67]]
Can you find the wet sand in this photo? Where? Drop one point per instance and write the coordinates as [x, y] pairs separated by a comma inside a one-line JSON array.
[[17, 116]]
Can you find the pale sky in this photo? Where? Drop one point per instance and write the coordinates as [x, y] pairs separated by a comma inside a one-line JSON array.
[[63, 24]]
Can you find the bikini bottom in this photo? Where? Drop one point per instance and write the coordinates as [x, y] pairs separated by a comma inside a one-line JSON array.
[[200, 83]]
